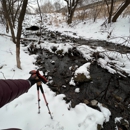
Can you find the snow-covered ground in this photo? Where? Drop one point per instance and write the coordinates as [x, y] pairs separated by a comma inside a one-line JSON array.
[[119, 31], [22, 112]]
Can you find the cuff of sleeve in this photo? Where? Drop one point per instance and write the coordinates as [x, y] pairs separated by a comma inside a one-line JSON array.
[[29, 82]]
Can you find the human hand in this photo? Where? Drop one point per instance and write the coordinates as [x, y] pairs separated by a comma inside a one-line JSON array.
[[36, 77]]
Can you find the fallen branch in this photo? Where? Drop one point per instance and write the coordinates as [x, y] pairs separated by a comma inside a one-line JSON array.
[[26, 39], [2, 34]]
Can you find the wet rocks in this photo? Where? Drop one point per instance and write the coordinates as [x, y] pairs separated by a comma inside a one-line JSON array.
[[122, 124], [99, 127], [81, 78], [53, 48], [53, 35], [94, 102], [52, 62], [82, 73], [86, 102], [59, 52]]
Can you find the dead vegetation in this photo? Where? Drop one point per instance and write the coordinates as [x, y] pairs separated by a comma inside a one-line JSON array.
[[93, 11], [97, 11]]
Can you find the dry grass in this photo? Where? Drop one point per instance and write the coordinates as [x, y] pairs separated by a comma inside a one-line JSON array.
[[98, 11], [93, 13]]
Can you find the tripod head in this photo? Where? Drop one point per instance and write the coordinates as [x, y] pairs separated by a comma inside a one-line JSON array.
[[37, 74]]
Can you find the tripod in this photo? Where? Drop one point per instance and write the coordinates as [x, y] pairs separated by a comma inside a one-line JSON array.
[[39, 86]]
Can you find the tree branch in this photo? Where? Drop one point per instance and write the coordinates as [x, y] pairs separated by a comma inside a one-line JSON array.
[[3, 74]]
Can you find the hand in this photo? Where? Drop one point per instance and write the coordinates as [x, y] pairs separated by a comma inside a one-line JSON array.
[[36, 77]]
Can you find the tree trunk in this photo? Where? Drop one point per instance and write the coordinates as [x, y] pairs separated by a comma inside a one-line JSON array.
[[20, 21], [118, 13], [71, 5], [8, 20], [111, 11], [70, 17], [18, 57]]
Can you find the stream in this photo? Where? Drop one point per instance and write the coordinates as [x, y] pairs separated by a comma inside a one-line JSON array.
[[112, 90]]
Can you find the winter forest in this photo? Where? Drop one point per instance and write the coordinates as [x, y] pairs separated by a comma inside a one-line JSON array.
[[82, 48]]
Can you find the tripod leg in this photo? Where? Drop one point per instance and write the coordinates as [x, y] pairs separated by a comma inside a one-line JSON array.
[[38, 99], [42, 91]]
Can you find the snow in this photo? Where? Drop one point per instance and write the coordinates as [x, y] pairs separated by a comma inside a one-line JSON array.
[[120, 30], [118, 119], [77, 90], [84, 69], [22, 112], [105, 112], [72, 82]]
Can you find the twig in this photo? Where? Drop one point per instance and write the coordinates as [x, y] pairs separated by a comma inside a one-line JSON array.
[[127, 56], [2, 34], [3, 75]]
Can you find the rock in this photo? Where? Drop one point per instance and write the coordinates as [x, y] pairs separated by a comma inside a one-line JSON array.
[[86, 101], [123, 124], [52, 62], [81, 78], [70, 51], [49, 39], [53, 35], [54, 41], [51, 82], [94, 102], [59, 52], [38, 62], [67, 99], [73, 68], [117, 98], [63, 39], [74, 34], [99, 127], [75, 52], [53, 48], [64, 86]]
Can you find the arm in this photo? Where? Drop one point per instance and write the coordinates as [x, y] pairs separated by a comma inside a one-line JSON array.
[[11, 89]]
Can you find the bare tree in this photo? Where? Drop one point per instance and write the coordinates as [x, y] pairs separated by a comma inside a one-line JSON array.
[[46, 8], [110, 9], [13, 7], [95, 10], [8, 19], [20, 21], [80, 3], [71, 6], [120, 10], [57, 5], [7, 15]]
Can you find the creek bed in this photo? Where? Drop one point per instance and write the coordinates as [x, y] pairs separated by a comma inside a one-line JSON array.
[[112, 90]]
